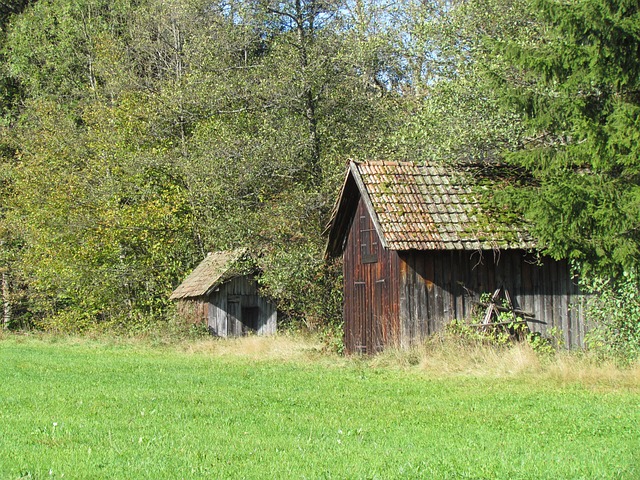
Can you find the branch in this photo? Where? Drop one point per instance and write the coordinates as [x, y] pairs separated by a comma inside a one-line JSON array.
[[284, 14]]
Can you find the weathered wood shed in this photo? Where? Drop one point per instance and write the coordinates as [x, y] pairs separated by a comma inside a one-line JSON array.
[[222, 293], [418, 252]]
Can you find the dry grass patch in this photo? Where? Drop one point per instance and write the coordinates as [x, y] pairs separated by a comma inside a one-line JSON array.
[[443, 357], [281, 347], [479, 360], [572, 368], [276, 347], [446, 356]]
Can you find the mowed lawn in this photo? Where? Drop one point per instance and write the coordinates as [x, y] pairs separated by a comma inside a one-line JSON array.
[[89, 409]]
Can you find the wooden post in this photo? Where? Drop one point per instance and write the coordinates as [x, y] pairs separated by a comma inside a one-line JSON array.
[[6, 304]]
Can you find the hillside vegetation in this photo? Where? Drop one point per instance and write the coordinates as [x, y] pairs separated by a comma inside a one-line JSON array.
[[136, 136]]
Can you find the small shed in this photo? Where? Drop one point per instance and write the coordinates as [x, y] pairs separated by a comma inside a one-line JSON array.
[[419, 252], [222, 293]]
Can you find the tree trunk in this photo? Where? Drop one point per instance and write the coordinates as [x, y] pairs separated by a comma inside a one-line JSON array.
[[6, 304], [304, 36]]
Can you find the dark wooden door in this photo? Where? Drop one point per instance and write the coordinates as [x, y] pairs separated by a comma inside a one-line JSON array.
[[250, 319], [234, 314], [380, 320], [356, 331]]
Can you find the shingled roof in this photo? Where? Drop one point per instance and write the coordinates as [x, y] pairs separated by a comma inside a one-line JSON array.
[[420, 208], [213, 271]]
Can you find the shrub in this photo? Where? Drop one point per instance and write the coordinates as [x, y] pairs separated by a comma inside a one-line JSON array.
[[614, 312], [508, 330], [307, 289]]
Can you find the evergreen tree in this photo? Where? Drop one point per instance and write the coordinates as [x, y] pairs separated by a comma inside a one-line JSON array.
[[577, 90], [550, 88]]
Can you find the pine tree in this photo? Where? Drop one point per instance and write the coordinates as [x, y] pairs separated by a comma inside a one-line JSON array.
[[572, 76]]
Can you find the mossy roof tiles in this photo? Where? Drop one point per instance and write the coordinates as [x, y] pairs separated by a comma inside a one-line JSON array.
[[432, 208], [214, 270]]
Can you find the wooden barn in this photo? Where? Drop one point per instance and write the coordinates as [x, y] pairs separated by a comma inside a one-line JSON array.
[[418, 252], [222, 293]]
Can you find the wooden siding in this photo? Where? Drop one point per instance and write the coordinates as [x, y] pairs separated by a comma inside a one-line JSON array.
[[371, 288], [236, 309], [438, 287]]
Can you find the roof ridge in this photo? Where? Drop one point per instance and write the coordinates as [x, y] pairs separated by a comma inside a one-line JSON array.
[[383, 162], [211, 271]]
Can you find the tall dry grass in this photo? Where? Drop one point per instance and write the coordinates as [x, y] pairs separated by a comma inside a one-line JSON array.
[[445, 356], [567, 368], [438, 357], [277, 347]]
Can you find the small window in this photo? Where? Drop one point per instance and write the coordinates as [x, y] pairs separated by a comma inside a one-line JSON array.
[[368, 241]]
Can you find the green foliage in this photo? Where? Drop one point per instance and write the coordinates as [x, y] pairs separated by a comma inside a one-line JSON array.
[[105, 235], [549, 88], [614, 310], [458, 114], [509, 329], [52, 47], [151, 132], [498, 336], [308, 289], [576, 91]]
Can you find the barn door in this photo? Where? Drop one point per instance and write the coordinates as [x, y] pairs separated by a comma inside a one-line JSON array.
[[379, 325], [369, 327], [234, 326], [250, 319], [357, 341]]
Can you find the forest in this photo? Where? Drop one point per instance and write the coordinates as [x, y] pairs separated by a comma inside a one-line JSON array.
[[138, 135]]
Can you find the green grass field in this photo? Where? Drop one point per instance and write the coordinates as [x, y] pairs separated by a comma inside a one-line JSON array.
[[98, 409]]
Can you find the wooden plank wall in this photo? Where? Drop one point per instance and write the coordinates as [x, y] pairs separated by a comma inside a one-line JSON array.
[[441, 286], [226, 304], [371, 292]]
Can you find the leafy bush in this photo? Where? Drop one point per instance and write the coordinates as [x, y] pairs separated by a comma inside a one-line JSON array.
[[614, 312], [509, 329], [308, 292]]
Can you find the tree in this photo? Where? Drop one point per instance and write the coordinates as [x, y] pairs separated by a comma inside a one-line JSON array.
[[101, 208], [456, 114], [549, 88], [10, 95], [150, 132], [577, 92]]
